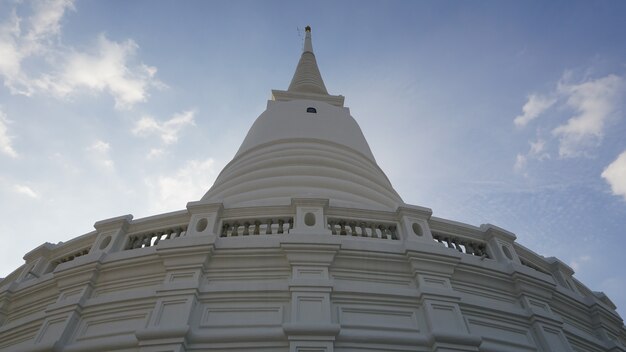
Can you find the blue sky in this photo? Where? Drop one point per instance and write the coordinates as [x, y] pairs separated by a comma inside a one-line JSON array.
[[509, 113]]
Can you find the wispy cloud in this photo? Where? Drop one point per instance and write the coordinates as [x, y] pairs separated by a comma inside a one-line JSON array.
[[25, 190], [168, 130], [615, 175], [6, 146], [534, 107], [536, 151], [99, 151], [107, 69], [155, 153], [594, 102], [62, 71], [188, 183], [35, 38]]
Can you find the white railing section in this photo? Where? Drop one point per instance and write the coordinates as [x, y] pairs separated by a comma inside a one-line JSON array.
[[361, 228], [152, 238], [251, 227], [462, 244], [533, 266], [68, 258]]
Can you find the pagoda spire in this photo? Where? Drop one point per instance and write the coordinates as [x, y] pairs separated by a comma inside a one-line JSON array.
[[307, 78]]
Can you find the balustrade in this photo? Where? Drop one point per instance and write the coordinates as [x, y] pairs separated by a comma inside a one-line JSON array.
[[360, 228], [68, 258], [153, 238], [247, 227], [532, 266], [462, 245]]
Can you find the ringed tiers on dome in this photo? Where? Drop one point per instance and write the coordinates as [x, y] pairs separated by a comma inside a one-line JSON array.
[[301, 245]]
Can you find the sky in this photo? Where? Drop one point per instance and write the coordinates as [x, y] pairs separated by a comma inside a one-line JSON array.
[[501, 112]]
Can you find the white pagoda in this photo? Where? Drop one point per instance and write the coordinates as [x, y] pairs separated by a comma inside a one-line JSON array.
[[301, 245]]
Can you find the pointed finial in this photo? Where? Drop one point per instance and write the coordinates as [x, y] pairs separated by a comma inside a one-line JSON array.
[[307, 78], [307, 40]]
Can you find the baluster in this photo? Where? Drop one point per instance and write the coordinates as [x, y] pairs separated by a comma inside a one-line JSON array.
[[342, 228], [257, 227], [268, 231], [290, 224], [246, 228], [156, 241], [235, 231], [374, 233], [394, 232], [362, 225], [332, 223], [457, 244], [145, 241], [353, 228], [281, 222], [382, 231]]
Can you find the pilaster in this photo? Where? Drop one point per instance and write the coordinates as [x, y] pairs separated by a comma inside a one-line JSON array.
[[310, 327], [184, 260], [547, 327], [75, 281], [433, 271]]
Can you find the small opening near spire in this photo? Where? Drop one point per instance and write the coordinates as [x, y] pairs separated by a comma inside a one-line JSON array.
[[307, 28]]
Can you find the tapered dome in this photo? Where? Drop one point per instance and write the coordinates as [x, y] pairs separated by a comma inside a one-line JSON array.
[[305, 144]]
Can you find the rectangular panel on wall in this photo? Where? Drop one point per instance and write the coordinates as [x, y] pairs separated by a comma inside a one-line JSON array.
[[242, 316], [111, 324], [498, 331], [378, 317]]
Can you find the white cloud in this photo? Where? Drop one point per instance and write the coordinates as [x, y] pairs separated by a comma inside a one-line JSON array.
[[25, 190], [45, 21], [155, 153], [615, 175], [108, 67], [16, 45], [189, 183], [100, 146], [536, 151], [6, 146], [534, 107], [99, 151], [169, 130], [594, 102]]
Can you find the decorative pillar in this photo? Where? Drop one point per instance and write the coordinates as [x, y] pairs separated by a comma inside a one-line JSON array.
[[75, 281], [500, 243], [310, 216], [535, 295], [433, 267], [185, 261], [310, 327], [414, 224], [204, 218]]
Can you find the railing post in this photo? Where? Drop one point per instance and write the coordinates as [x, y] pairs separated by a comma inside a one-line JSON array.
[[500, 244], [204, 218], [414, 224], [111, 234], [310, 216]]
